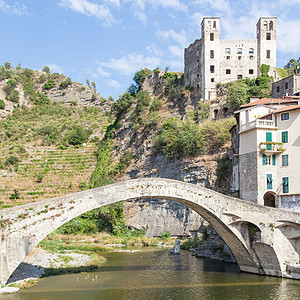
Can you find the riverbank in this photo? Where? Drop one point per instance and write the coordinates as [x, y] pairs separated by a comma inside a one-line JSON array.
[[61, 254]]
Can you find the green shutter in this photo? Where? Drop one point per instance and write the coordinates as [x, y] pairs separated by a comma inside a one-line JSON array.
[[269, 181], [274, 160], [285, 184], [264, 159], [269, 139], [284, 136]]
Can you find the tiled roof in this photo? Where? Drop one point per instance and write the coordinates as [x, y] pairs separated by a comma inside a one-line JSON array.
[[287, 108], [270, 101]]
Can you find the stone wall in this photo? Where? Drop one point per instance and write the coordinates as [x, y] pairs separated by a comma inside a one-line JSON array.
[[289, 202], [249, 180]]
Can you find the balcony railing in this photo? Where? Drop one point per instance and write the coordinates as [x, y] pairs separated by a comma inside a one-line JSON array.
[[274, 147], [258, 123]]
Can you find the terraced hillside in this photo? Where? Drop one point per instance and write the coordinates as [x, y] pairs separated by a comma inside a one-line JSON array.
[[48, 172]]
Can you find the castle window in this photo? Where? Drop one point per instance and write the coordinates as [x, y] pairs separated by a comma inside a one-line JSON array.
[[227, 50], [228, 71], [286, 85], [240, 76], [239, 57], [212, 80], [268, 36], [227, 57], [266, 23], [251, 71], [278, 89], [239, 51], [251, 57], [212, 69], [251, 51], [214, 24], [212, 54], [212, 36], [271, 25], [268, 53]]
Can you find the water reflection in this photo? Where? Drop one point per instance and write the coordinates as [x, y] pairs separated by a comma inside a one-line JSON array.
[[159, 275]]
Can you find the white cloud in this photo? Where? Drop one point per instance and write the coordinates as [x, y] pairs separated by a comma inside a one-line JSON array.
[[88, 8], [54, 68], [176, 51], [153, 49], [15, 9], [100, 72], [288, 36], [131, 63], [179, 37], [114, 83], [140, 6]]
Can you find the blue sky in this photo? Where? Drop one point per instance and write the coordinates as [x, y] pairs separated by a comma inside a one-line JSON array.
[[107, 41]]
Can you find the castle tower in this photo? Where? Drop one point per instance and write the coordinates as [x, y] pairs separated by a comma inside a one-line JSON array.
[[209, 60], [266, 42]]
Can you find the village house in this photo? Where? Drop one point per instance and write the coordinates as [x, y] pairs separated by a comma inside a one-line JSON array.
[[266, 152]]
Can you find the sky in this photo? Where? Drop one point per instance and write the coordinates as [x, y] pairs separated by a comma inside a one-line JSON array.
[[108, 41]]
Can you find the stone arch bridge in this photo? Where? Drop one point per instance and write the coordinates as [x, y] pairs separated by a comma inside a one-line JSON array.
[[276, 252]]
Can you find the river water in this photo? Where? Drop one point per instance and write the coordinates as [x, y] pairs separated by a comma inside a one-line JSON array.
[[159, 275]]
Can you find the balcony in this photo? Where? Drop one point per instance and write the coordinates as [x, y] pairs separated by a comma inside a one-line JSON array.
[[271, 147], [257, 123]]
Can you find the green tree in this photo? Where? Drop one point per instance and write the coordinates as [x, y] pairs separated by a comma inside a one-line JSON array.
[[140, 77], [237, 94], [7, 65], [2, 104], [88, 82], [46, 69], [93, 84]]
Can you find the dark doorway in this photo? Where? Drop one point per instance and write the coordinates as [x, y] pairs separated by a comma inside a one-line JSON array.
[[269, 199]]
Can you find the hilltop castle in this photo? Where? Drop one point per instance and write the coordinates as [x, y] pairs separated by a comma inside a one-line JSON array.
[[209, 60]]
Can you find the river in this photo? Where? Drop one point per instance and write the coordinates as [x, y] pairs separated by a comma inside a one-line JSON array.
[[159, 275]]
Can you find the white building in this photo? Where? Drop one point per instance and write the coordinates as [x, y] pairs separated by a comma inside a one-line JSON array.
[[266, 164], [209, 60]]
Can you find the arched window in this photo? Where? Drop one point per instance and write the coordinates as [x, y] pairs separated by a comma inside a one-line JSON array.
[[227, 50], [251, 51], [266, 23], [239, 51], [271, 25]]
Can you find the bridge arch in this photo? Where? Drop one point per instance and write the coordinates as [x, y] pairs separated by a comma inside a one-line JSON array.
[[23, 227]]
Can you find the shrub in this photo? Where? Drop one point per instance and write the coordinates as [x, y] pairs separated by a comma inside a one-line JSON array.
[[15, 195], [156, 104], [223, 169], [140, 76], [46, 69], [2, 104], [122, 105], [79, 136], [50, 84], [165, 234], [12, 161], [66, 83], [14, 97]]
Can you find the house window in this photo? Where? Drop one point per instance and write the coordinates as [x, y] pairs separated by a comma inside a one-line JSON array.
[[239, 51], [273, 159], [212, 37], [240, 76], [286, 85], [212, 69], [285, 116], [251, 51], [285, 184], [268, 53], [277, 89], [228, 71], [251, 71], [212, 80], [268, 36], [212, 54], [266, 159], [284, 137], [227, 50], [284, 160], [269, 182]]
